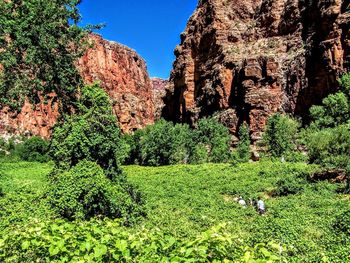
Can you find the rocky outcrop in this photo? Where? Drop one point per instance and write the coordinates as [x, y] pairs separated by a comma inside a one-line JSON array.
[[121, 72], [244, 60], [159, 92], [32, 119]]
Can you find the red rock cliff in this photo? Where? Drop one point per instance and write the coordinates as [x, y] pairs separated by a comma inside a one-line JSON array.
[[123, 74], [247, 59], [159, 92]]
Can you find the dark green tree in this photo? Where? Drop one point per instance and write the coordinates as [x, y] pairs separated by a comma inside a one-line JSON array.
[[39, 43], [335, 109], [216, 138], [280, 135], [92, 134], [164, 144], [243, 147]]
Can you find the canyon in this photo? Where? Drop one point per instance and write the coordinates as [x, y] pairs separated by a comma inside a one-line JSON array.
[[240, 61], [244, 60], [122, 73]]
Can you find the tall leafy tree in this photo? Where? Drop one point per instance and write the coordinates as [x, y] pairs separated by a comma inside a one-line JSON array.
[[243, 147], [39, 42]]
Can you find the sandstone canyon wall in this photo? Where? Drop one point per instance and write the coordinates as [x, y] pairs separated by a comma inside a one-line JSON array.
[[122, 73], [247, 59], [159, 92]]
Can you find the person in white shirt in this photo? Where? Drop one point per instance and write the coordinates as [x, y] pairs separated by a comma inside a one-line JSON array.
[[242, 202], [261, 206]]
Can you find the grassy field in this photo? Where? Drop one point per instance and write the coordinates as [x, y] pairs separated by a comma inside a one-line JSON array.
[[184, 201]]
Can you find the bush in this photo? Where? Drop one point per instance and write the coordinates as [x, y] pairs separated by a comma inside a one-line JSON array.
[[335, 109], [84, 192], [342, 223], [289, 186], [165, 144], [91, 134], [35, 149], [199, 154], [243, 147], [280, 135], [330, 147]]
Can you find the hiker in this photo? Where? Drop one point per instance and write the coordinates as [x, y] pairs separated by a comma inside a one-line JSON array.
[[242, 202], [261, 206]]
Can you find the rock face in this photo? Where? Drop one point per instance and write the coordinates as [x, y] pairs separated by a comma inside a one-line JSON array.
[[32, 120], [247, 59], [159, 92], [122, 73]]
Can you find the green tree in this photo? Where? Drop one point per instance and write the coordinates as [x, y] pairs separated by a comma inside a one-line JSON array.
[[335, 109], [39, 44], [243, 147], [164, 144], [280, 134], [216, 137], [327, 137], [91, 134]]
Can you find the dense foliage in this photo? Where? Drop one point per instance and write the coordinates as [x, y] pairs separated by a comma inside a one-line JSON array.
[[39, 44], [108, 241], [216, 137], [243, 147], [87, 150], [7, 146], [165, 143], [34, 149], [84, 192], [183, 202], [91, 134], [280, 135], [328, 137], [335, 109]]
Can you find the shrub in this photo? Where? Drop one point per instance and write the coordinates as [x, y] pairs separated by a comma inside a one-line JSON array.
[[335, 109], [342, 223], [216, 137], [280, 135], [289, 186], [243, 147], [35, 149], [91, 134], [330, 147], [84, 192], [199, 154]]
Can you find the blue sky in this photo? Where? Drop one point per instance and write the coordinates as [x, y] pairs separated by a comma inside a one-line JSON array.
[[151, 27]]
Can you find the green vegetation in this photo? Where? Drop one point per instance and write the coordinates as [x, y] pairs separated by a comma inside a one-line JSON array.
[[165, 144], [280, 135], [39, 44], [34, 149], [85, 192], [87, 149], [191, 215], [84, 206], [328, 137], [91, 134], [243, 147]]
